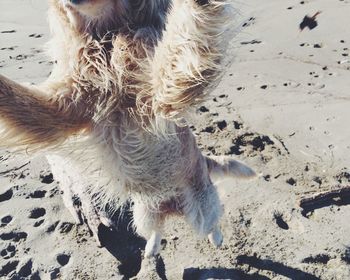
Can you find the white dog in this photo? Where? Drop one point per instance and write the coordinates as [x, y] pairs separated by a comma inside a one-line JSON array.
[[112, 113]]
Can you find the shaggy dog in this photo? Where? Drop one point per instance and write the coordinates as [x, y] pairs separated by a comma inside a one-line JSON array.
[[112, 114]]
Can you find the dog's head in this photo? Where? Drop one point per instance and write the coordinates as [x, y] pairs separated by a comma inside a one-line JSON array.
[[95, 16], [106, 15]]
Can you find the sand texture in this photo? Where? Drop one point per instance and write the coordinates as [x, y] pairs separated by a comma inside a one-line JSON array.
[[282, 107]]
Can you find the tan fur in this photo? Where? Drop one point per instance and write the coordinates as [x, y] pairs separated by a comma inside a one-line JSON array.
[[30, 117], [113, 112]]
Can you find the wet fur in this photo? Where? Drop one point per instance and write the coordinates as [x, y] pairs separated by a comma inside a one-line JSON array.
[[113, 111]]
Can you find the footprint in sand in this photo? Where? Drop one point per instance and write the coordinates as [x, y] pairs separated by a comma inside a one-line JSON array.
[[221, 124], [278, 217], [26, 269], [8, 268], [6, 220], [250, 141], [249, 22], [8, 31], [9, 48], [63, 259], [7, 195], [237, 125], [66, 227], [320, 258], [8, 252], [46, 178], [55, 274], [291, 181], [38, 194], [55, 191], [345, 256], [209, 129], [13, 236], [39, 223], [37, 213], [203, 109], [343, 176], [35, 35], [52, 227]]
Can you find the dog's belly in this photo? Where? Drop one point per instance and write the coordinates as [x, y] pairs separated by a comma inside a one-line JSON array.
[[151, 163], [128, 161]]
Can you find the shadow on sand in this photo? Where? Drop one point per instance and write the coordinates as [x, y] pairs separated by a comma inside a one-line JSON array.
[[219, 273], [126, 246], [276, 267], [123, 243], [233, 273]]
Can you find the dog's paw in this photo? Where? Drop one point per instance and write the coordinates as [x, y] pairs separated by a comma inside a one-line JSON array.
[[216, 238], [92, 221], [153, 245], [105, 220], [151, 250]]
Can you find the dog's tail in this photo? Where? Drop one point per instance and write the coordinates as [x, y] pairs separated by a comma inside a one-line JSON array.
[[30, 119], [223, 166]]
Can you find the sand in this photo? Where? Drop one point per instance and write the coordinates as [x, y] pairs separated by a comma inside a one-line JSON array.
[[282, 107]]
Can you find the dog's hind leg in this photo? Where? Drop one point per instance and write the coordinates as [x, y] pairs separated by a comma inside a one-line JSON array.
[[153, 244], [203, 210], [66, 184], [215, 237], [148, 223], [76, 199]]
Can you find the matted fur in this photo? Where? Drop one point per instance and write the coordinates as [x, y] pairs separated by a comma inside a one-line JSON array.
[[113, 112]]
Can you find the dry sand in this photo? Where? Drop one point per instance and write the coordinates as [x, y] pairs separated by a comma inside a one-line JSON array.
[[282, 107]]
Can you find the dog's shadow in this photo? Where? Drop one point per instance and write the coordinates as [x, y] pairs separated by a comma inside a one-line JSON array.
[[126, 246], [219, 273], [123, 243], [253, 261]]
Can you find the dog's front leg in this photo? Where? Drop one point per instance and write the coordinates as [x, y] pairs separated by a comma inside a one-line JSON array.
[[203, 210], [153, 244], [148, 223], [188, 57]]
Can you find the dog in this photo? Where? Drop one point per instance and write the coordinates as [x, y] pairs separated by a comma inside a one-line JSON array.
[[111, 117]]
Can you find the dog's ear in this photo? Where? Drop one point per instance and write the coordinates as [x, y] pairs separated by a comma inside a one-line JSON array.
[[30, 119]]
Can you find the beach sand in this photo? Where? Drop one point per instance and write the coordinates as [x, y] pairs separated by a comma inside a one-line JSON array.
[[282, 107]]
